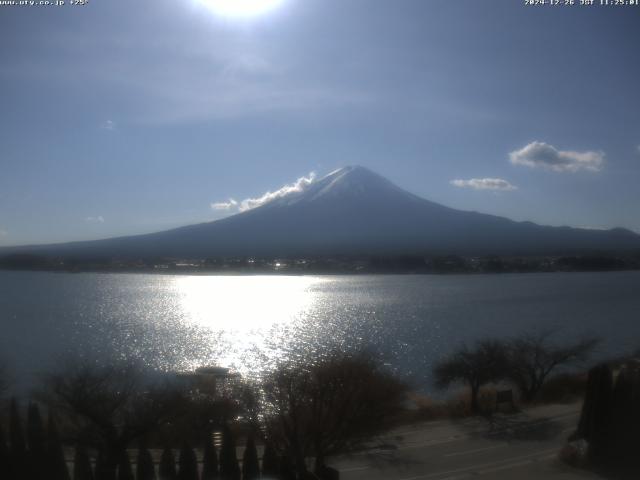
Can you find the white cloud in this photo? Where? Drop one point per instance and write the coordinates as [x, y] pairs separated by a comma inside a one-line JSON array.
[[108, 125], [3, 233], [540, 154], [228, 205], [295, 187], [484, 184], [249, 203], [98, 219]]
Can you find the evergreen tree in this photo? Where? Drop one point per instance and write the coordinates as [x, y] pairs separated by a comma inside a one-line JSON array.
[[229, 468], [270, 464], [36, 440], [5, 466], [81, 464], [287, 471], [144, 468], [17, 445], [104, 469], [622, 435], [125, 472], [324, 472], [634, 421], [595, 419], [188, 464], [167, 469], [210, 461], [56, 464], [100, 468], [250, 464]]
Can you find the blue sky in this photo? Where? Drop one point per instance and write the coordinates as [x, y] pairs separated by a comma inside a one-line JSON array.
[[124, 117]]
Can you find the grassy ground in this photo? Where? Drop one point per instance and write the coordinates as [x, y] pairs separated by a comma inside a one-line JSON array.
[[564, 388]]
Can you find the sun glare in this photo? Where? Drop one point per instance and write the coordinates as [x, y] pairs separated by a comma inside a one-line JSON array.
[[240, 8], [245, 312], [220, 303]]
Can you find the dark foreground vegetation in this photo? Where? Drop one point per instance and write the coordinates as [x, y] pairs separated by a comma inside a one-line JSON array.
[[606, 437], [420, 264], [524, 362], [296, 417], [87, 421]]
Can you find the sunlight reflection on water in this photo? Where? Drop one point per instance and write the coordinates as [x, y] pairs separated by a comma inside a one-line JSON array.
[[174, 322], [244, 304], [252, 316]]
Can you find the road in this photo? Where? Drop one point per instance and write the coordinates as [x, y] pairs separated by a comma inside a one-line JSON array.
[[506, 446]]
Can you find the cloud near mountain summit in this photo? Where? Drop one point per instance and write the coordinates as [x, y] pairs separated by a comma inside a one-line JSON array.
[[249, 203]]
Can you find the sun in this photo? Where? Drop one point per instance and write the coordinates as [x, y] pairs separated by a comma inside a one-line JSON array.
[[241, 8]]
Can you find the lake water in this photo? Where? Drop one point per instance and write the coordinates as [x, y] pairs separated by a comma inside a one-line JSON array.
[[173, 322]]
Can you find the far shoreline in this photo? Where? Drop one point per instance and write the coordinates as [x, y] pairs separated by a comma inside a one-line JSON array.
[[294, 273]]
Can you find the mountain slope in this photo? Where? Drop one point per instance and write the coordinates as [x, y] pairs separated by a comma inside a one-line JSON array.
[[353, 211]]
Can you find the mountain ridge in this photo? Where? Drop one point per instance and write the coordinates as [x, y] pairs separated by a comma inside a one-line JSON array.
[[350, 211]]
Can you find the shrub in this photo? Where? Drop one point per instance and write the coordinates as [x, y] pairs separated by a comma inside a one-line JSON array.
[[229, 468], [17, 445], [167, 469], [563, 388], [250, 465], [595, 419], [533, 357], [36, 439], [125, 472], [270, 467], [57, 465], [209, 461], [329, 406], [5, 458], [188, 464], [483, 364], [144, 468], [81, 465]]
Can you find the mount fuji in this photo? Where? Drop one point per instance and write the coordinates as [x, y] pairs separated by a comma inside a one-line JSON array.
[[351, 211]]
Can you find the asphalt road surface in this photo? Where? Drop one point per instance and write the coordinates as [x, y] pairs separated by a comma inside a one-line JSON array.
[[506, 446]]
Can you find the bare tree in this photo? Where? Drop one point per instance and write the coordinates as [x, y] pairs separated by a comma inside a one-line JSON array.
[[533, 357], [110, 406], [475, 367], [329, 407]]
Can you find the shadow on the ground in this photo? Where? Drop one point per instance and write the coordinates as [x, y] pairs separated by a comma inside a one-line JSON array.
[[618, 474], [385, 454], [381, 458], [518, 427]]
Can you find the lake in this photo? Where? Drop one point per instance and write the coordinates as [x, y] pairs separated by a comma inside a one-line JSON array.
[[176, 322]]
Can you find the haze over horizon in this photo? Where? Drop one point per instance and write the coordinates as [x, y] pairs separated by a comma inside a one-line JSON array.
[[121, 118]]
